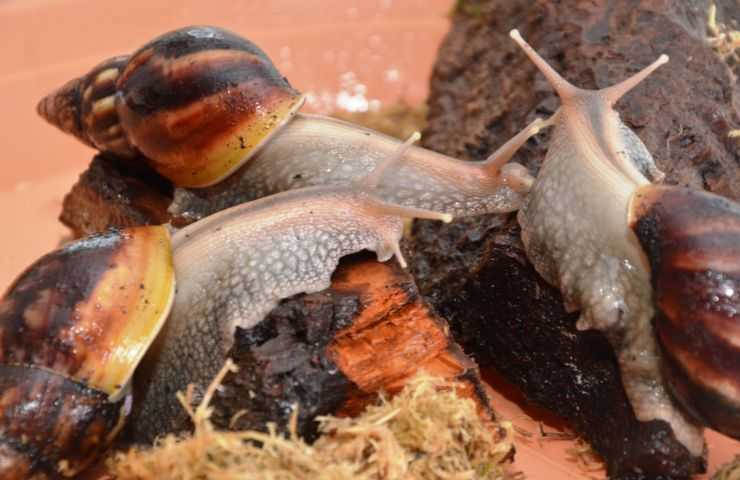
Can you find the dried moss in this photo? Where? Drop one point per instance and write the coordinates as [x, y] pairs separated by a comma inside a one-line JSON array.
[[470, 8], [398, 120], [424, 432], [729, 471], [723, 39]]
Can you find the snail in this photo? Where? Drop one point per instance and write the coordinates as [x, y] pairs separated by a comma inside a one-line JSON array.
[[211, 113], [630, 254], [75, 326]]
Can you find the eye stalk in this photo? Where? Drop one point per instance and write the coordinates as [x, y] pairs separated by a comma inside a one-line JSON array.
[[566, 90]]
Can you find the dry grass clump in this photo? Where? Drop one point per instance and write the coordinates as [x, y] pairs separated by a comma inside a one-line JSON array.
[[723, 39], [424, 432], [398, 120], [729, 471]]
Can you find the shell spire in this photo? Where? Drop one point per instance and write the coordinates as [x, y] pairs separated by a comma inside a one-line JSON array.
[[85, 107]]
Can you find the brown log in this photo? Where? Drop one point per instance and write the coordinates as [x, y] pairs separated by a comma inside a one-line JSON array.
[[115, 193], [334, 351], [474, 271]]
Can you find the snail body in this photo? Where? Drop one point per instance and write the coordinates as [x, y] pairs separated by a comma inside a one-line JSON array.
[[76, 325], [316, 150], [210, 112], [585, 229]]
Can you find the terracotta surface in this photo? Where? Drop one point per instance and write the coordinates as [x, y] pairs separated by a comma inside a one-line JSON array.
[[351, 55]]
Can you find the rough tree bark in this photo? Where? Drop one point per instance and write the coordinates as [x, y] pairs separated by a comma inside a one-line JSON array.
[[475, 272]]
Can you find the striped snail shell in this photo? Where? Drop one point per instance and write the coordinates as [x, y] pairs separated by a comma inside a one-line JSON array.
[[692, 240], [196, 102], [82, 107], [73, 327]]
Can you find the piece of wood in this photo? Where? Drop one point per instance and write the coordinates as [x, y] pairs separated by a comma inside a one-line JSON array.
[[334, 351], [115, 193], [474, 271]]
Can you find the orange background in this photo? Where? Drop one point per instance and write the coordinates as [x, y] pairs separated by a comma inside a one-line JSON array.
[[348, 54]]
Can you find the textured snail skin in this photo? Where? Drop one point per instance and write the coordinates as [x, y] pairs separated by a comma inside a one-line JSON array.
[[73, 327], [314, 150], [234, 266], [691, 239], [575, 229], [88, 312]]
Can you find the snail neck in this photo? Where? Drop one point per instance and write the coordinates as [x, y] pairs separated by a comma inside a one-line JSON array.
[[601, 137]]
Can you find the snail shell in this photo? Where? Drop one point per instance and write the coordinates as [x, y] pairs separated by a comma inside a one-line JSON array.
[[692, 240], [82, 107], [197, 102], [73, 327]]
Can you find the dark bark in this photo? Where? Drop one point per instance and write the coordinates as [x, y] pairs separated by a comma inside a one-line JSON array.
[[333, 351], [475, 272], [115, 193]]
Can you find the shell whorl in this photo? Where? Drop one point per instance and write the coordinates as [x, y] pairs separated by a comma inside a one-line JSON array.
[[196, 102], [85, 107], [200, 100], [52, 424], [692, 240]]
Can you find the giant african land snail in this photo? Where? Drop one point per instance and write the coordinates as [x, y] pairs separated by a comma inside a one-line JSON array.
[[628, 254], [210, 111], [75, 325]]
